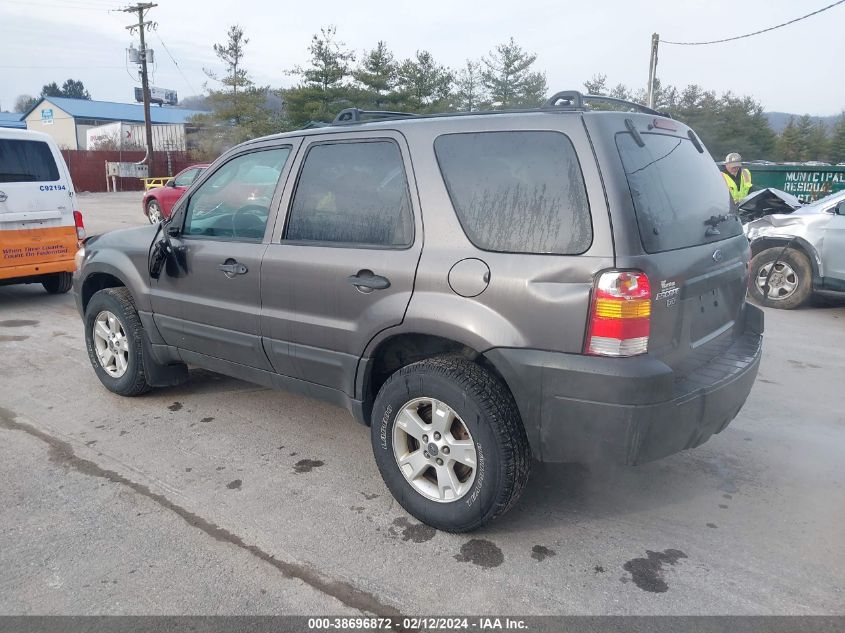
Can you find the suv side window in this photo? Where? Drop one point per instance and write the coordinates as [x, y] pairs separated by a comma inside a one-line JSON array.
[[352, 193], [235, 200], [517, 192]]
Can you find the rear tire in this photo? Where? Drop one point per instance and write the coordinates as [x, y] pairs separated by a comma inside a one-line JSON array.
[[483, 427], [112, 312], [58, 283], [791, 282]]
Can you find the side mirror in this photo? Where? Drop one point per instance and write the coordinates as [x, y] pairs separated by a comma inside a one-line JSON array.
[[170, 183], [840, 208]]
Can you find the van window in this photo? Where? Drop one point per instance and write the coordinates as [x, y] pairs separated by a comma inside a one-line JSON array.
[[675, 188], [26, 161], [517, 192]]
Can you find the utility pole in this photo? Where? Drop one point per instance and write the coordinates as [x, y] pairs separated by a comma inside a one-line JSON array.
[[652, 68], [141, 9]]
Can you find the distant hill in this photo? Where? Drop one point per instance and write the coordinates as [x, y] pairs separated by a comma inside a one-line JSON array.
[[779, 120]]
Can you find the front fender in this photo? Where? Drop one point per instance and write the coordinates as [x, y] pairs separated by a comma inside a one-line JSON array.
[[123, 255]]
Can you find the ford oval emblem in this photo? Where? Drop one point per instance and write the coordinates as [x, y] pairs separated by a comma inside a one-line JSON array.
[[717, 255]]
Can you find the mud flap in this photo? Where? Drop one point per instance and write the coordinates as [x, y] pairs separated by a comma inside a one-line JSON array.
[[159, 375]]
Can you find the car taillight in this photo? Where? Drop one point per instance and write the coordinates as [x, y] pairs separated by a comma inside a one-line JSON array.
[[620, 315], [80, 225]]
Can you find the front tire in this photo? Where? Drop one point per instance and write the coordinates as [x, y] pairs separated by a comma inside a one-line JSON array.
[[449, 443], [790, 282], [58, 283], [113, 337], [154, 214]]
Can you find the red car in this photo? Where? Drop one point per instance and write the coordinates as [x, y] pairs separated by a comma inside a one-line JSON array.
[[159, 202]]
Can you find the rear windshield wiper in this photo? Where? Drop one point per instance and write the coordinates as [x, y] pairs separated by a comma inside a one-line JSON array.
[[713, 221]]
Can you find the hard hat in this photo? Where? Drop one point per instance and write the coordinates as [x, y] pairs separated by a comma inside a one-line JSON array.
[[733, 157]]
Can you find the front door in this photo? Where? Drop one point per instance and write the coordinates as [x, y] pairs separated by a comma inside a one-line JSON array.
[[207, 300], [833, 250], [341, 268]]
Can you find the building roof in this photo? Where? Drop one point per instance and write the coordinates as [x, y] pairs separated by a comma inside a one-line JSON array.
[[12, 119], [111, 111]]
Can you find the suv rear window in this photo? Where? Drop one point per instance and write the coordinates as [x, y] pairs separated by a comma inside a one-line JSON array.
[[675, 188], [26, 161], [517, 192]]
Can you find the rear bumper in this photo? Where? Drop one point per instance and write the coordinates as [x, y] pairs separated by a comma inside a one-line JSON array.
[[581, 408], [9, 274]]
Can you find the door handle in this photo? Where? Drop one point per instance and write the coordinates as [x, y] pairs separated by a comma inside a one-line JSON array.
[[231, 268], [367, 281]]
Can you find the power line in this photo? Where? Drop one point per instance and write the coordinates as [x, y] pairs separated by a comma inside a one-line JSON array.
[[71, 5], [80, 67], [175, 63], [771, 28]]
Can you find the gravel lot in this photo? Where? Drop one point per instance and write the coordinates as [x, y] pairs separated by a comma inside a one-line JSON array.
[[221, 497]]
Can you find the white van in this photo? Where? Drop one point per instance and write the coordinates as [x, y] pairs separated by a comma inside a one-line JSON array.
[[40, 226]]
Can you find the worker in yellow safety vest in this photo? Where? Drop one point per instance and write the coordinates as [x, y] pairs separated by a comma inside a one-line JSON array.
[[737, 177]]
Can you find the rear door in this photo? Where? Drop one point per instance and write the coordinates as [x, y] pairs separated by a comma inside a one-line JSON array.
[[695, 253], [341, 267], [208, 299], [36, 203]]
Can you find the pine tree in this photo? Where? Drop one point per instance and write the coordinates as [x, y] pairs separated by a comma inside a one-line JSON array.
[[818, 143], [508, 78], [71, 88], [805, 131], [324, 89], [239, 111], [837, 142], [423, 85], [74, 89], [789, 145], [470, 92], [377, 75]]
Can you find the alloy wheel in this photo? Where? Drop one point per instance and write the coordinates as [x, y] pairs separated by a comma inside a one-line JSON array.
[[434, 450], [111, 344], [783, 281]]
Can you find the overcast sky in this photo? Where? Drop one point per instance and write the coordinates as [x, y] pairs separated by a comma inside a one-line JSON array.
[[794, 69]]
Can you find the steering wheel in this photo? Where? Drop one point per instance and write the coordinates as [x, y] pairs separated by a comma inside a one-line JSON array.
[[248, 221]]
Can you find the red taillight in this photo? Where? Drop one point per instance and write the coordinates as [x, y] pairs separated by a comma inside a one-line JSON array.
[[80, 225], [620, 315]]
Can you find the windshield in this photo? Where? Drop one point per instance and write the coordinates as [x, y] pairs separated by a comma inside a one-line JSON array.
[[679, 196]]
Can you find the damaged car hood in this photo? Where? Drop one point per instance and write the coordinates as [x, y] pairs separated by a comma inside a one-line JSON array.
[[766, 202], [807, 222]]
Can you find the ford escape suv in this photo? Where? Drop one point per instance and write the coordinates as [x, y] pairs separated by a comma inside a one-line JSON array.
[[483, 289]]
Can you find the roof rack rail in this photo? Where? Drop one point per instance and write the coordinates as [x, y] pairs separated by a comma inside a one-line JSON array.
[[354, 115], [576, 100]]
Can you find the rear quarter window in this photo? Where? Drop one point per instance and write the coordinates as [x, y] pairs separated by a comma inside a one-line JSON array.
[[517, 192], [26, 161], [675, 189]]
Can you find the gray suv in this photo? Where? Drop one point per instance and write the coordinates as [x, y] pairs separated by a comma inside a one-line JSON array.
[[481, 290]]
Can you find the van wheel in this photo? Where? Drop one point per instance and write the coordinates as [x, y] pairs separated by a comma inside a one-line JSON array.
[[154, 212], [113, 336], [57, 283], [449, 443], [790, 278]]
